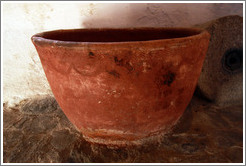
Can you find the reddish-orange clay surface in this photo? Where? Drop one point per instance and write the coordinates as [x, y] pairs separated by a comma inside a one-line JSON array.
[[122, 86]]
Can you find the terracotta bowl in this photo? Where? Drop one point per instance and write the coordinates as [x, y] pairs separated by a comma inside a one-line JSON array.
[[122, 86]]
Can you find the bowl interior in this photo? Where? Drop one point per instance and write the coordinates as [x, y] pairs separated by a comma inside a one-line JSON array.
[[118, 35]]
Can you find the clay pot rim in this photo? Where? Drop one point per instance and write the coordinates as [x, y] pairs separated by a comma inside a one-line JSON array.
[[40, 40]]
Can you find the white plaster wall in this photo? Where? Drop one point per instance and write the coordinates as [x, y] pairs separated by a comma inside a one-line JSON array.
[[23, 76]]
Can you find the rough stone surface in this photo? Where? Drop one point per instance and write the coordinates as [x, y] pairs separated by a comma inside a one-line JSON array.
[[221, 79], [38, 131]]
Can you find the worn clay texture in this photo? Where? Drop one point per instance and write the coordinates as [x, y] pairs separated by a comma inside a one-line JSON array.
[[37, 131], [221, 80], [120, 86]]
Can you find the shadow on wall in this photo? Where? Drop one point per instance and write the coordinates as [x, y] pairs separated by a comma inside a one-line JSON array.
[[156, 15]]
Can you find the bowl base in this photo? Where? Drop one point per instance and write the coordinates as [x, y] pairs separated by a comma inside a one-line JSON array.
[[110, 142]]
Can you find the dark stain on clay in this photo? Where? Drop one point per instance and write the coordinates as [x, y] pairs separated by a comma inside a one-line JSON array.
[[91, 54], [114, 73], [168, 78], [123, 63], [118, 62]]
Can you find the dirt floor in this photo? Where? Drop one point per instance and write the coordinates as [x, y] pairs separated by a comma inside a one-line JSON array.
[[38, 131]]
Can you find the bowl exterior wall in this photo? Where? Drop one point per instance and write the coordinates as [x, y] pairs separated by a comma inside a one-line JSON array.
[[124, 93]]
